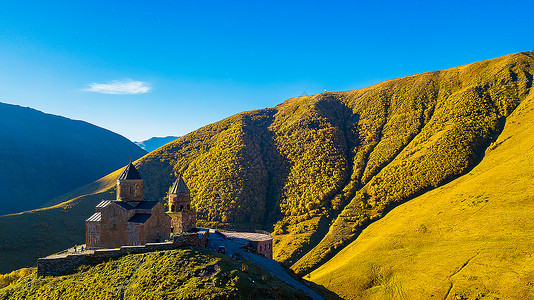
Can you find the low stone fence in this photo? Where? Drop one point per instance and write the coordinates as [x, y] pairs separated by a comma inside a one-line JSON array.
[[62, 264], [197, 239]]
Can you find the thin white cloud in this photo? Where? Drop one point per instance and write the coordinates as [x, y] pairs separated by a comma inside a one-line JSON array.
[[117, 87]]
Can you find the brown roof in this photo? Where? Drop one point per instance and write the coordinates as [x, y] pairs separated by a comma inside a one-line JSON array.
[[129, 173]]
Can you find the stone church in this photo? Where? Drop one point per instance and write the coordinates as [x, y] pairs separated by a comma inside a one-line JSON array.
[[183, 216], [130, 220]]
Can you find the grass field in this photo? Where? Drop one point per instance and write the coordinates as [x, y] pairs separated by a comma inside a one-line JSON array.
[[469, 239], [178, 274]]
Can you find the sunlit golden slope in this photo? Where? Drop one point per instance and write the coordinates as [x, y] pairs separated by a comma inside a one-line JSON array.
[[470, 238], [435, 127]]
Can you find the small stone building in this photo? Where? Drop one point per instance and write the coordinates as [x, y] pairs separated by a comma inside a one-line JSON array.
[[128, 220], [183, 215], [263, 246], [260, 243]]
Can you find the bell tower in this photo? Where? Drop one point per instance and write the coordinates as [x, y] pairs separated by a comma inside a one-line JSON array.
[[130, 184], [183, 215]]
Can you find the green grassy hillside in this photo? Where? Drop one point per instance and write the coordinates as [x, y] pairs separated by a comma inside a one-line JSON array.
[[436, 127], [469, 239], [43, 156], [24, 237], [177, 274], [317, 170]]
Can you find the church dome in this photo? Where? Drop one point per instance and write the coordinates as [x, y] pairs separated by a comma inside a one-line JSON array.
[[129, 173], [179, 187]]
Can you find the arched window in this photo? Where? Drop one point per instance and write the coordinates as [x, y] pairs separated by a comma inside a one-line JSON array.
[[181, 207], [173, 208]]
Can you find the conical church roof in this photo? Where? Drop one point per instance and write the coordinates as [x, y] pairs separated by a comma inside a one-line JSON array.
[[129, 173], [179, 186]]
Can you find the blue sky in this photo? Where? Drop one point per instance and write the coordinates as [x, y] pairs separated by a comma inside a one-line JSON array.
[[157, 68]]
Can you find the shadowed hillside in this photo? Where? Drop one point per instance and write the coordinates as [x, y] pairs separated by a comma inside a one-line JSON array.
[[43, 156], [317, 170]]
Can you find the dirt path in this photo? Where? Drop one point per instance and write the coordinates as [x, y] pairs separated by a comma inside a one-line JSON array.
[[126, 283]]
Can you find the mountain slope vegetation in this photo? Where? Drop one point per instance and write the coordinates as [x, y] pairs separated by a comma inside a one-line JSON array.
[[43, 156], [468, 239], [317, 170], [177, 274], [455, 114]]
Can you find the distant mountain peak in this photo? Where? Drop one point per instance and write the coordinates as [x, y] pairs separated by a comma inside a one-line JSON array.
[[155, 142], [71, 153]]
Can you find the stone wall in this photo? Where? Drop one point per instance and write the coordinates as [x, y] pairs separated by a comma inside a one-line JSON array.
[[135, 235], [115, 230], [264, 248], [62, 264], [181, 202], [197, 239], [158, 227], [182, 221], [130, 190], [92, 234], [114, 227]]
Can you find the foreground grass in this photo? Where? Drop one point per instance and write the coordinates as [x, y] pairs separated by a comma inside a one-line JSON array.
[[7, 279], [177, 274], [470, 239]]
